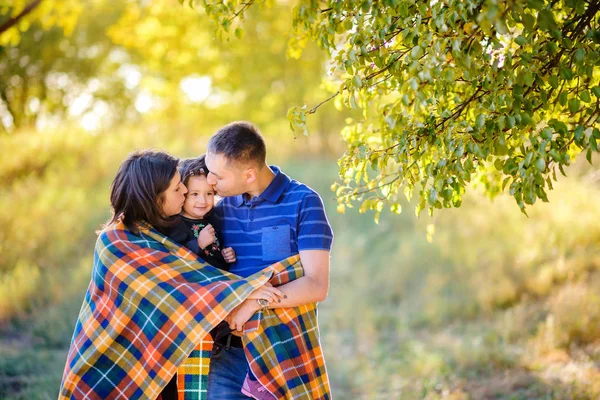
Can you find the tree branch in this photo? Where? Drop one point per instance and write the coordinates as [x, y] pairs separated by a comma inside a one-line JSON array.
[[12, 21], [460, 108], [314, 109], [246, 5]]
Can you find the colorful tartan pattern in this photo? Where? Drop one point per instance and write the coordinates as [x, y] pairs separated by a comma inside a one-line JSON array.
[[192, 375], [150, 301], [283, 347], [148, 309]]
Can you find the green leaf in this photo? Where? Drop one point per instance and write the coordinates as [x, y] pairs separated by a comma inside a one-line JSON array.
[[596, 91], [566, 73], [574, 105], [562, 98], [520, 40], [588, 155], [585, 96], [540, 164], [480, 121], [528, 78], [578, 133], [528, 21], [546, 20], [499, 164], [501, 122], [526, 118], [536, 4], [511, 121], [546, 133]]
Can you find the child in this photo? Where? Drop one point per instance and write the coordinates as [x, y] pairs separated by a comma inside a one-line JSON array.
[[195, 229], [196, 232]]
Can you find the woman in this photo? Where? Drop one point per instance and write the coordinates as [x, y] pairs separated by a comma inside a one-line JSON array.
[[150, 301]]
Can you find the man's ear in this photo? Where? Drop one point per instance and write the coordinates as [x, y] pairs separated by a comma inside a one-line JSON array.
[[250, 175]]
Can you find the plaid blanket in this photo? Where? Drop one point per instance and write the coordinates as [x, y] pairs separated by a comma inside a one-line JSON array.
[[148, 310]]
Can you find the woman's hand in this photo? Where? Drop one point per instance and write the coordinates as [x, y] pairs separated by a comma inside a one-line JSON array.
[[229, 254], [269, 293], [206, 237], [242, 314]]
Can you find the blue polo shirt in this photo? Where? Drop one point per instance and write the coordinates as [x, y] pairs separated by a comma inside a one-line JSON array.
[[286, 218]]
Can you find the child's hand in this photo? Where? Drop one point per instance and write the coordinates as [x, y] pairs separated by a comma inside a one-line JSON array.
[[229, 254], [206, 236]]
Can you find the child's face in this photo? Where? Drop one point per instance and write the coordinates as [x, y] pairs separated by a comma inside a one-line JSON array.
[[200, 198]]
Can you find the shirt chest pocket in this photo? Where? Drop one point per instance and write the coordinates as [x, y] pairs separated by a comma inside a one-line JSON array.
[[276, 242]]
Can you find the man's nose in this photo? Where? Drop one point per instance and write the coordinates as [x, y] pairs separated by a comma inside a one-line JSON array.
[[210, 179]]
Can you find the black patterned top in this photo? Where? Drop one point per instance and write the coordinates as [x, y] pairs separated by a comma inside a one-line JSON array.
[[186, 232]]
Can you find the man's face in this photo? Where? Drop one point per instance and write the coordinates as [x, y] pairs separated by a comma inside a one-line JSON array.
[[227, 178]]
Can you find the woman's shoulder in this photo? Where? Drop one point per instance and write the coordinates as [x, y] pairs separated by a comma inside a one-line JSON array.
[[116, 232]]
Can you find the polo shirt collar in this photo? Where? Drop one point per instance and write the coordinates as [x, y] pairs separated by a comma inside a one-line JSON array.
[[273, 192], [275, 189]]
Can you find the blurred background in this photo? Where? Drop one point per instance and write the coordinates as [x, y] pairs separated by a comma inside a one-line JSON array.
[[479, 302]]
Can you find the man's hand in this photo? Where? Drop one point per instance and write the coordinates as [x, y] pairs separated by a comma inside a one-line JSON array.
[[228, 254], [242, 314], [310, 288], [269, 293], [206, 236]]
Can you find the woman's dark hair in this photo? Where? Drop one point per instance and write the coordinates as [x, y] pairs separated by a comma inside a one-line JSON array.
[[192, 167], [136, 192], [239, 141]]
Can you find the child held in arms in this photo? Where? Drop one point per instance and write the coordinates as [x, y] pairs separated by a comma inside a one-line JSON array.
[[195, 230], [196, 227]]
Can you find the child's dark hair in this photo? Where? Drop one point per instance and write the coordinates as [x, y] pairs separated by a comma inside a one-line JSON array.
[[192, 167]]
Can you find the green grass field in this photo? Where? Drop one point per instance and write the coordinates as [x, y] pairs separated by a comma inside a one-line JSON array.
[[475, 303]]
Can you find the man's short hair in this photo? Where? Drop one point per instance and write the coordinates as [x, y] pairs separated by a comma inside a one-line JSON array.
[[239, 141]]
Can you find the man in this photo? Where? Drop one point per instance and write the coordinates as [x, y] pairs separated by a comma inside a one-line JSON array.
[[266, 217]]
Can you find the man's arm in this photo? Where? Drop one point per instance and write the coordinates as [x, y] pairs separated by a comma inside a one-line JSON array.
[[314, 232], [310, 288], [313, 286]]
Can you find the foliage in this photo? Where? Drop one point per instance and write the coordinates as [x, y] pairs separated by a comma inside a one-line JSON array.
[[503, 93], [50, 76], [17, 16], [249, 79]]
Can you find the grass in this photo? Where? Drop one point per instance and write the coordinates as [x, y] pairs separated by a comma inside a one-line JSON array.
[[496, 306]]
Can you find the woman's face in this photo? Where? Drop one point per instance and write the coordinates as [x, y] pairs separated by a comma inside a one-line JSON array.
[[174, 197]]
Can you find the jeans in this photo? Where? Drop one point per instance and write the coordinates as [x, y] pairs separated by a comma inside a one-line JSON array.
[[228, 369]]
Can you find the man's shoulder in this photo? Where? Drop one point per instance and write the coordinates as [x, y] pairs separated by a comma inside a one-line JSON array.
[[297, 190]]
